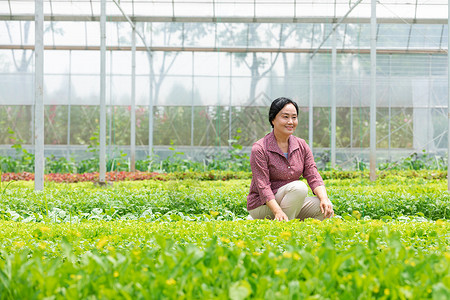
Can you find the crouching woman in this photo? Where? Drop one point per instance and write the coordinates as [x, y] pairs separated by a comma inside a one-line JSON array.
[[278, 161]]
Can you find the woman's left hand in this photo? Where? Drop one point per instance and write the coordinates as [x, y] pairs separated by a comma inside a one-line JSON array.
[[326, 207], [325, 204]]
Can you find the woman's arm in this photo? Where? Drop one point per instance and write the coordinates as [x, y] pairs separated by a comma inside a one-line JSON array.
[[260, 174], [277, 211], [325, 204]]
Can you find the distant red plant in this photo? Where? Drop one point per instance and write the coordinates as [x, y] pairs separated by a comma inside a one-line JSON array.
[[129, 176], [17, 176], [93, 177]]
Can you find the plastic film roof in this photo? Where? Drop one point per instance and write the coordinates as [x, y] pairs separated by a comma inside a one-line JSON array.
[[427, 11]]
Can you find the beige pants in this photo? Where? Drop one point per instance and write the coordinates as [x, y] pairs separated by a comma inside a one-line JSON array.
[[294, 203]]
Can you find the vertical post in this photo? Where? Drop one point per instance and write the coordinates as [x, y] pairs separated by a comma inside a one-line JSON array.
[[133, 102], [110, 107], [333, 101], [102, 175], [373, 89], [389, 108], [448, 106], [429, 111], [192, 103], [311, 106], [39, 96], [230, 112], [351, 110], [69, 94], [150, 110]]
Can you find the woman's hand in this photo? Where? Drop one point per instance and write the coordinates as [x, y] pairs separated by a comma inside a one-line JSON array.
[[326, 207], [325, 204], [277, 211], [281, 216]]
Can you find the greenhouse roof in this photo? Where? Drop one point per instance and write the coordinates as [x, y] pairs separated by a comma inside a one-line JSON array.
[[243, 11], [417, 26]]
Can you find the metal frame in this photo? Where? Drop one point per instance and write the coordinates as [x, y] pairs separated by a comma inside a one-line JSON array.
[[137, 19], [229, 49], [39, 48], [39, 97], [102, 175], [448, 108], [373, 91]]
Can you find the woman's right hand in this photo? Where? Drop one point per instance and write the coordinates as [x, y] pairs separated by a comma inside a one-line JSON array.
[[281, 216], [277, 211]]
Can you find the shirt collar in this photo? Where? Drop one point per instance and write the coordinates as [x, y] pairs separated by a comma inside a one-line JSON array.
[[273, 146]]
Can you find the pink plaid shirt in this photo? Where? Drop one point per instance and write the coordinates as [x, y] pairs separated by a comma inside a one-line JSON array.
[[271, 169]]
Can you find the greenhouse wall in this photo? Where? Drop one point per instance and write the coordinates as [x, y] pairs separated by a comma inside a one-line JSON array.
[[210, 84]]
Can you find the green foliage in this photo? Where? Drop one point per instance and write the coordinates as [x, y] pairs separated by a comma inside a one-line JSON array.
[[334, 259], [23, 160], [176, 163], [398, 195], [145, 165], [360, 165], [60, 165], [417, 161], [188, 239], [236, 160], [88, 165]]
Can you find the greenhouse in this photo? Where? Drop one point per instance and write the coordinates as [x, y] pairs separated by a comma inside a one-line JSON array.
[[224, 149], [197, 74]]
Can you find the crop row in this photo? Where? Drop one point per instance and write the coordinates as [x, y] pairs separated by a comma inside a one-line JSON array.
[[252, 235], [334, 259], [173, 200], [126, 176], [207, 175]]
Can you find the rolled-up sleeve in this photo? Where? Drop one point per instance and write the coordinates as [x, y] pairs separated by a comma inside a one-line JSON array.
[[310, 172], [260, 171]]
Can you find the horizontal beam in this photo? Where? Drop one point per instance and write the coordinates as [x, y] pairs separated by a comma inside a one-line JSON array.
[[366, 106], [228, 49], [324, 19]]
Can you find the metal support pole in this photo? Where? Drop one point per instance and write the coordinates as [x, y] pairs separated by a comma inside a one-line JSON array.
[[333, 102], [150, 111], [133, 102], [110, 108], [373, 89], [448, 106], [230, 112], [192, 103], [69, 95], [311, 107], [390, 107], [39, 97], [429, 111], [102, 175], [351, 110]]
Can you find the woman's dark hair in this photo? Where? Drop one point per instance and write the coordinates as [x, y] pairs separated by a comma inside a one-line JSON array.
[[278, 105]]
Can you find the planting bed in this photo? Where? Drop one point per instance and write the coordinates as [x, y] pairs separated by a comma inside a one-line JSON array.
[[189, 239]]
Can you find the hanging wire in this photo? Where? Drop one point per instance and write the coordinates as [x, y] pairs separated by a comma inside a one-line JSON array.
[[440, 40], [92, 9], [336, 26], [133, 25], [10, 10], [424, 35]]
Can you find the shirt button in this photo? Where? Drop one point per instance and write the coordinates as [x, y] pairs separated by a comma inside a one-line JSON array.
[[289, 167]]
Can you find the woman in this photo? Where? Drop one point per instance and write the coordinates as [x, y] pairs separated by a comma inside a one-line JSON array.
[[277, 162]]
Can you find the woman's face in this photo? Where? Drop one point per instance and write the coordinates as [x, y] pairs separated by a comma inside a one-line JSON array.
[[286, 120]]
